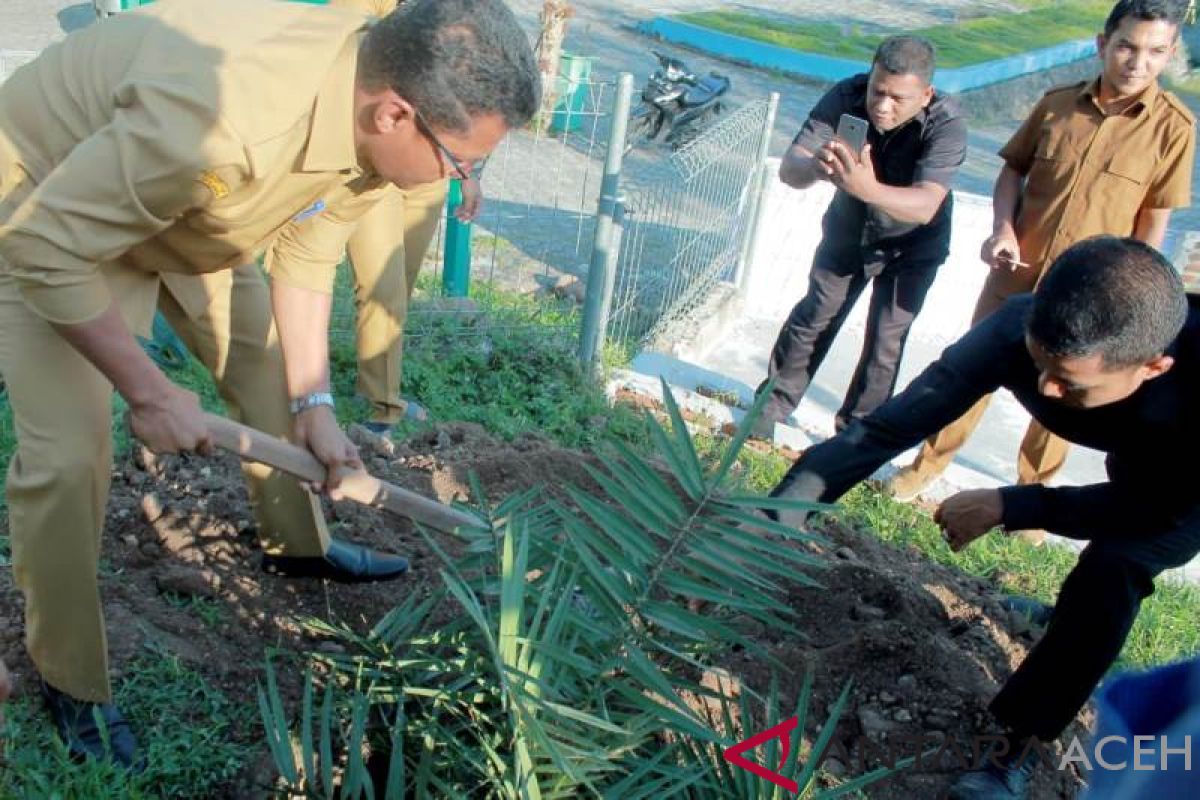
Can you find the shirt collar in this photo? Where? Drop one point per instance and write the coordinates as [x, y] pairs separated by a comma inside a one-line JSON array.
[[1144, 102], [331, 145]]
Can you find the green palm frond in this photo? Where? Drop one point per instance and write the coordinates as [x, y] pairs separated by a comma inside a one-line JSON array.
[[572, 668]]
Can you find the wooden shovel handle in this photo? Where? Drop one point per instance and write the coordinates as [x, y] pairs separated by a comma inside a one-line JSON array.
[[361, 487]]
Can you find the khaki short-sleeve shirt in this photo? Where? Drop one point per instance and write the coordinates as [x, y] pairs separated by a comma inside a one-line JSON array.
[[1088, 173], [183, 137]]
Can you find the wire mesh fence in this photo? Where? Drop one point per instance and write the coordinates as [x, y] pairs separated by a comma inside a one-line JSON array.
[[685, 231], [530, 244]]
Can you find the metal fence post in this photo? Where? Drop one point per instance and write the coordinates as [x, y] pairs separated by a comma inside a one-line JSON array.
[[759, 186], [456, 258], [606, 246]]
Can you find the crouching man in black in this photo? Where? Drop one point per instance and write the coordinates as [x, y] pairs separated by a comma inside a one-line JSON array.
[[1106, 355]]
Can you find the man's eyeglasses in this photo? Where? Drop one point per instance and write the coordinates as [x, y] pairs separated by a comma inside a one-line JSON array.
[[456, 166]]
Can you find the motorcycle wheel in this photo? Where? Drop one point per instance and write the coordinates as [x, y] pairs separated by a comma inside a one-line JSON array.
[[681, 138], [644, 125]]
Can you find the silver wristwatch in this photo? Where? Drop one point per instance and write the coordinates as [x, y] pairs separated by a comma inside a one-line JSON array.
[[311, 400]]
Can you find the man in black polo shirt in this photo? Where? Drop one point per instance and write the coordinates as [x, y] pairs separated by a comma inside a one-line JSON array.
[[1106, 355], [889, 223]]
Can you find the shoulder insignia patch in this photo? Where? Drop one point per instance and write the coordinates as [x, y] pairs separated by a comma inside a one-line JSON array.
[[214, 184]]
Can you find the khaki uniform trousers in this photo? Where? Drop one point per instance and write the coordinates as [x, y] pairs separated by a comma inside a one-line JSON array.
[[58, 479], [386, 252], [1042, 453]]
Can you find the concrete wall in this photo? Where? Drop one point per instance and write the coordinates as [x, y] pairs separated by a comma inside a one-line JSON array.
[[790, 233]]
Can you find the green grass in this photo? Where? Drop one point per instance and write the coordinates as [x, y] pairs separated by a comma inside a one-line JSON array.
[[969, 42], [513, 368], [195, 738]]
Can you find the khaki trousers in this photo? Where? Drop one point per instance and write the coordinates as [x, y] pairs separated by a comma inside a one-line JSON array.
[[58, 479], [386, 252], [1042, 453]]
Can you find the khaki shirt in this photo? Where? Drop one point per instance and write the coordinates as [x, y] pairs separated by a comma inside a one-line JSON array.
[[375, 8], [183, 137], [1088, 173]]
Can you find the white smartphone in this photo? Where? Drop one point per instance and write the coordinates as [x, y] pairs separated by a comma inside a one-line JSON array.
[[853, 132]]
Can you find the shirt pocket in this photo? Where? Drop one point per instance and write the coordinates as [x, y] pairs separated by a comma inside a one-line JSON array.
[[1130, 169]]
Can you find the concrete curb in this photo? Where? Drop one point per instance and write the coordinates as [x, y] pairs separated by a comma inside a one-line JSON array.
[[812, 65]]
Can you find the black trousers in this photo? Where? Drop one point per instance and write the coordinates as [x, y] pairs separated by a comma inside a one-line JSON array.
[[1096, 607], [898, 292]]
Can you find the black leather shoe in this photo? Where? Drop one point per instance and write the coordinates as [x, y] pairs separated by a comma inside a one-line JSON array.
[[1003, 778], [343, 562], [76, 723]]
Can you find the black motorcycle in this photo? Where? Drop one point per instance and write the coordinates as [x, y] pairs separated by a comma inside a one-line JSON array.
[[675, 104]]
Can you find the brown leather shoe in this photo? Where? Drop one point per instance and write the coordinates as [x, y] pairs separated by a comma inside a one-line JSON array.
[[1033, 536], [907, 484]]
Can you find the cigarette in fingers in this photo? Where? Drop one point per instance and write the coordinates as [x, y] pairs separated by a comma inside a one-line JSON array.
[[1012, 262]]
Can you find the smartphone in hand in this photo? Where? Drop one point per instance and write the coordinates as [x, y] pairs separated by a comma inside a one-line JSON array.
[[852, 131]]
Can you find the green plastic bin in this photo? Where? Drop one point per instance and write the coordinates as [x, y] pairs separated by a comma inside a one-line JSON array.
[[574, 76]]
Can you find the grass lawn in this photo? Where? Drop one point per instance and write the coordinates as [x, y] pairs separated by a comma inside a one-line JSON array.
[[961, 44]]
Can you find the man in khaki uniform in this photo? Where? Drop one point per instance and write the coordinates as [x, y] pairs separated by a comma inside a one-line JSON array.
[[156, 153], [1113, 155], [386, 251]]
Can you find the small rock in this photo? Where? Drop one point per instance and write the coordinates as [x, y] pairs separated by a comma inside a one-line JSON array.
[[331, 647], [873, 723], [570, 287], [939, 720], [907, 682], [150, 549], [834, 767], [887, 697], [152, 508], [184, 582], [902, 715], [846, 554], [865, 613], [443, 440], [130, 539], [121, 513]]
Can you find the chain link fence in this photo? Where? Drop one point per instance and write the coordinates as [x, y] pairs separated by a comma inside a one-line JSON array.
[[530, 244], [688, 231]]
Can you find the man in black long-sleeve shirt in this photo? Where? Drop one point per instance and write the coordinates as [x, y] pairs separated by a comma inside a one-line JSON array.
[[1106, 355]]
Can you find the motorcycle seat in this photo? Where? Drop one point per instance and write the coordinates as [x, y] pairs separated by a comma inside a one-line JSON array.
[[708, 87]]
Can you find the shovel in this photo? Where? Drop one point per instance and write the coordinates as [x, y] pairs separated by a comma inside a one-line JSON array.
[[361, 487]]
